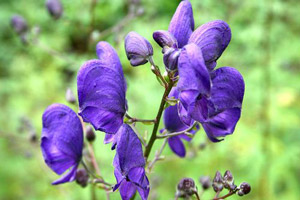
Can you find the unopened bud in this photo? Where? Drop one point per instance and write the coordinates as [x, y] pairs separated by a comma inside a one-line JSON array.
[[90, 134], [171, 58], [205, 182], [54, 8], [186, 187], [138, 49], [82, 177], [19, 24], [70, 96], [245, 188], [229, 181], [218, 182]]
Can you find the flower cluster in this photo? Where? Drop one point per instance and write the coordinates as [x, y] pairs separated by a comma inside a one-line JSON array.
[[202, 94]]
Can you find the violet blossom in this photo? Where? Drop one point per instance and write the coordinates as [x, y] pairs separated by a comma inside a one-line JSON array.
[[101, 90], [129, 165], [62, 141], [211, 97]]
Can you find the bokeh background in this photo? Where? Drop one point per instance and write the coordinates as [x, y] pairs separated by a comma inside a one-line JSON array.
[[265, 48]]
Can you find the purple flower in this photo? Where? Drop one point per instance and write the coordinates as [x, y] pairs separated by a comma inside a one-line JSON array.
[[173, 123], [54, 8], [212, 38], [62, 141], [138, 49], [225, 103], [129, 165], [101, 90]]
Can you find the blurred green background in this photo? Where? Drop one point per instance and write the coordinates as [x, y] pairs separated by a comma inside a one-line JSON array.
[[265, 48]]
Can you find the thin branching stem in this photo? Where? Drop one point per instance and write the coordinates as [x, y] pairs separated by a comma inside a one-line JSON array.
[[186, 132]]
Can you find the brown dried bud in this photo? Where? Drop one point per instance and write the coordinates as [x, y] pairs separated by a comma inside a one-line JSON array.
[[82, 177], [218, 182]]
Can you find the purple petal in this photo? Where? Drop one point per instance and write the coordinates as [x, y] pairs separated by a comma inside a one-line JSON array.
[[62, 138], [144, 191], [177, 146], [213, 38], [222, 124], [194, 83], [68, 177], [228, 89], [109, 58], [182, 23], [129, 150], [165, 39], [127, 190], [184, 115], [101, 93], [193, 75], [137, 48]]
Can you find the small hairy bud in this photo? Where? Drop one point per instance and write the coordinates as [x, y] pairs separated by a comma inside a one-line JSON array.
[[19, 24], [245, 188], [205, 182], [54, 8], [82, 177], [70, 96], [186, 187], [229, 181], [138, 49], [90, 134], [218, 182]]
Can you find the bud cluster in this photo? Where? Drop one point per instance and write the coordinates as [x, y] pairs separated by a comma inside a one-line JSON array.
[[227, 182], [186, 188]]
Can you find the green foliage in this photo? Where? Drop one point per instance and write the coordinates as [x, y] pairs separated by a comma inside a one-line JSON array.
[[264, 150]]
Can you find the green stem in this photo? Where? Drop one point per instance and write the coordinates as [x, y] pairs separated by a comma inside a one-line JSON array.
[[186, 132], [158, 117]]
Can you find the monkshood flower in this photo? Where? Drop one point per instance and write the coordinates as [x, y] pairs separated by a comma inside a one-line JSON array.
[[62, 141], [138, 49], [212, 37], [129, 165], [54, 8], [172, 124], [214, 100], [101, 90], [19, 24]]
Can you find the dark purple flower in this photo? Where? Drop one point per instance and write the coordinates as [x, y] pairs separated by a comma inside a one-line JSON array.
[[129, 165], [62, 141], [138, 49], [19, 24], [101, 90], [173, 123], [54, 8], [212, 38], [225, 102]]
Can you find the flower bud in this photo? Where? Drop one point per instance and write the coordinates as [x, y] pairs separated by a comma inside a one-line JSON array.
[[19, 24], [229, 181], [70, 96], [186, 187], [82, 177], [205, 182], [54, 8], [138, 49], [171, 58], [245, 188], [90, 134], [165, 40], [218, 182]]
